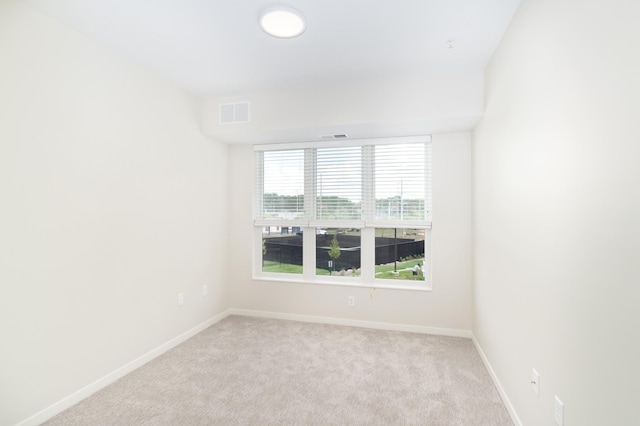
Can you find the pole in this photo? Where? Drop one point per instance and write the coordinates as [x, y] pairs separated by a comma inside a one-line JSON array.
[[395, 247]]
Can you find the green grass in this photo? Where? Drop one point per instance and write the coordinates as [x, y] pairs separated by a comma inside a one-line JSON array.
[[404, 271], [284, 268], [382, 271], [287, 268], [402, 275], [401, 265]]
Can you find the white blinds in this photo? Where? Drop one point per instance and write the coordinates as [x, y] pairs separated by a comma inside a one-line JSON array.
[[371, 184], [280, 188], [399, 174], [338, 183]]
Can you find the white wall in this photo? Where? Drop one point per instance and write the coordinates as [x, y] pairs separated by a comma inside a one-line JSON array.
[[556, 206], [447, 306], [111, 203], [372, 108]]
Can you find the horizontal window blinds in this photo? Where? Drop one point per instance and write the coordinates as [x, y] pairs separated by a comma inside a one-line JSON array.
[[399, 182], [280, 188], [370, 185], [338, 183]]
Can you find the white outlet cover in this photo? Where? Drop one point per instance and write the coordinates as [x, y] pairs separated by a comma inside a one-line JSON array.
[[535, 381]]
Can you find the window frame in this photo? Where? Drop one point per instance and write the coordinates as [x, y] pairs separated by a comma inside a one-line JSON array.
[[367, 224]]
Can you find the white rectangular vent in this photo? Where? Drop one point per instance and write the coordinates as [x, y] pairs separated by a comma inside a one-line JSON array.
[[333, 137], [234, 113]]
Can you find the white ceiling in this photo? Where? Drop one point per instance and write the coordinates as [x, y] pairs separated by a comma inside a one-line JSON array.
[[215, 49]]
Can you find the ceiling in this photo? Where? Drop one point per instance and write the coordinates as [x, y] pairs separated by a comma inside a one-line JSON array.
[[215, 49]]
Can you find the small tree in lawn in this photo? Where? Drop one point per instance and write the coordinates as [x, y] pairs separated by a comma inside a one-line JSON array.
[[334, 251]]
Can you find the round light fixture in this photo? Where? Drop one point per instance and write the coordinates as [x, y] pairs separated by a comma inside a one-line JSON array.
[[283, 22]]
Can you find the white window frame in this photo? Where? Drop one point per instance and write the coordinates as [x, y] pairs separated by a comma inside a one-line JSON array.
[[367, 224]]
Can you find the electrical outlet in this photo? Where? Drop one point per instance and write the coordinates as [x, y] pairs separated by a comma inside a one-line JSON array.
[[559, 412], [535, 382], [180, 299], [205, 290], [351, 301]]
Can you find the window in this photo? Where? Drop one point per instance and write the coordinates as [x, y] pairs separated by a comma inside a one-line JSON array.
[[283, 189], [338, 252], [282, 250], [353, 212], [400, 182], [400, 254]]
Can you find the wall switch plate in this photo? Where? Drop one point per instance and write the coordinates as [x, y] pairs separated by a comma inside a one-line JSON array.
[[535, 382], [180, 299], [559, 411], [205, 290], [351, 301]]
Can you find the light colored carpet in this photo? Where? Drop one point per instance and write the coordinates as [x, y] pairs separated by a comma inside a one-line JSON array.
[[253, 371]]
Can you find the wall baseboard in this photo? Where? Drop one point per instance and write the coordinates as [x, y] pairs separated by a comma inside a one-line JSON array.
[[498, 385], [92, 388], [353, 323]]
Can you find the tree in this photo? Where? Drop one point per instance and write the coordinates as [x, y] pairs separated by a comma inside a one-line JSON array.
[[334, 251]]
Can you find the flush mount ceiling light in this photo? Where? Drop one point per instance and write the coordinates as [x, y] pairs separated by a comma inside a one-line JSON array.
[[283, 22]]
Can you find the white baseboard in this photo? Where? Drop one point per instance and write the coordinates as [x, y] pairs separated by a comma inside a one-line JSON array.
[[90, 389], [496, 382], [354, 323]]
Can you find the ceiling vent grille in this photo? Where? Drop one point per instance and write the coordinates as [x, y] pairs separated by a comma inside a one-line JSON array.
[[234, 113], [333, 137]]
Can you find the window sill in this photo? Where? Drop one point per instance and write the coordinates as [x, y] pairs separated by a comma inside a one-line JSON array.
[[346, 282]]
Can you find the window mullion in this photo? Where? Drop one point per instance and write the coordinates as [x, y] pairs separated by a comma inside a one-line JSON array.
[[309, 234], [368, 254], [368, 185], [367, 241], [309, 184], [308, 252]]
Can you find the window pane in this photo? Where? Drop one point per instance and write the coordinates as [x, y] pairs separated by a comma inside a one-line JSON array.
[[400, 182], [400, 253], [338, 183], [282, 249], [338, 252], [283, 191]]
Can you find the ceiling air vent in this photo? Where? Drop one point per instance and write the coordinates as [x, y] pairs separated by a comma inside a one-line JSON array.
[[234, 113], [333, 137]]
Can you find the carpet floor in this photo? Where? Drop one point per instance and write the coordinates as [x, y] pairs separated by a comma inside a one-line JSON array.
[[255, 371]]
